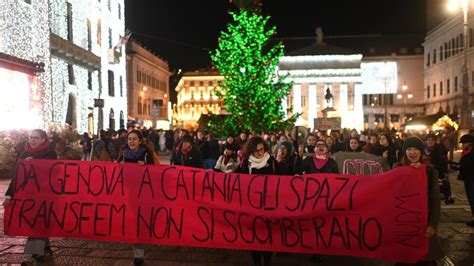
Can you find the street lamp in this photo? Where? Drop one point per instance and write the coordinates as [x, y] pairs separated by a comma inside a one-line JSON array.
[[465, 123], [405, 98]]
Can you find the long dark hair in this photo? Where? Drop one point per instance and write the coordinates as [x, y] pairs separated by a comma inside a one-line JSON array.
[[252, 144]]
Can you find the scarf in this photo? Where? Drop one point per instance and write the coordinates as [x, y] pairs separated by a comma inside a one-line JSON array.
[[466, 151], [227, 158], [39, 151], [319, 161], [134, 155], [258, 163]]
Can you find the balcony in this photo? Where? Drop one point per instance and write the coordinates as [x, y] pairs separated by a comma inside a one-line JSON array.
[[73, 54]]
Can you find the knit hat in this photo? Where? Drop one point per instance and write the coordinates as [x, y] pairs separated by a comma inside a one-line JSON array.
[[412, 142]]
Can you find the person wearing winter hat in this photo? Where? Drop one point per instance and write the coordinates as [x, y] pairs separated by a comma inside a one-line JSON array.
[[412, 152], [466, 170]]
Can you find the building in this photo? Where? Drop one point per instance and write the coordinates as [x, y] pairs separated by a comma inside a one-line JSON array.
[[369, 75], [148, 87], [443, 61], [78, 42], [196, 94]]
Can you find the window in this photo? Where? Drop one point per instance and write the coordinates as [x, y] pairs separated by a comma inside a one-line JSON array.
[[109, 5], [440, 88], [70, 72], [143, 78], [139, 75], [111, 83], [434, 90], [449, 49], [89, 80], [434, 56], [456, 84], [69, 21], [428, 61], [110, 38], [99, 32], [428, 92], [441, 53], [448, 86], [119, 11], [453, 46], [470, 37], [139, 109], [446, 51], [121, 86], [461, 41], [89, 35]]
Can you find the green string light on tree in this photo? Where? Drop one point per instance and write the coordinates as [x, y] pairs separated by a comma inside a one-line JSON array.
[[251, 89]]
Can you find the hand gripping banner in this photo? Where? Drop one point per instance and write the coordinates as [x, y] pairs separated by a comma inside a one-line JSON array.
[[379, 216]]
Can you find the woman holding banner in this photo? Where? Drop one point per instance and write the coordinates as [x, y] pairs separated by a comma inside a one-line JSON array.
[[37, 147], [317, 164], [259, 162], [136, 152], [412, 151]]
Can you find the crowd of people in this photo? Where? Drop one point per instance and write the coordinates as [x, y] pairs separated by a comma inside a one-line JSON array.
[[277, 154]]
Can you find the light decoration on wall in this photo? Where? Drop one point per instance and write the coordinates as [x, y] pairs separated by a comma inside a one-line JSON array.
[[95, 12], [24, 31]]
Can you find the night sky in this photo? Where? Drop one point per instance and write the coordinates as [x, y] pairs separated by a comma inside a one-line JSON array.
[[182, 32]]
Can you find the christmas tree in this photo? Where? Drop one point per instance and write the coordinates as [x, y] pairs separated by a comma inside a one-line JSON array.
[[252, 90]]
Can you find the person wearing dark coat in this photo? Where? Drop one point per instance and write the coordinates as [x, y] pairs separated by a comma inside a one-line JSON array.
[[412, 152], [259, 161], [466, 170], [436, 154], [188, 155], [319, 163], [387, 150], [37, 147], [136, 152], [284, 160], [214, 152]]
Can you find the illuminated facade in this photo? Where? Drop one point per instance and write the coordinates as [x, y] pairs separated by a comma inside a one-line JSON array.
[[196, 95], [403, 93], [148, 87], [443, 61], [84, 79]]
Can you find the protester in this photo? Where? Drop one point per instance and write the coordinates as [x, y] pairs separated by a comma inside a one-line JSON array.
[[331, 145], [136, 152], [466, 170], [101, 148], [178, 141], [188, 155], [86, 143], [285, 160], [259, 162], [319, 163], [214, 152], [37, 147], [310, 142], [412, 151], [354, 145], [436, 155], [228, 161], [387, 149], [372, 145]]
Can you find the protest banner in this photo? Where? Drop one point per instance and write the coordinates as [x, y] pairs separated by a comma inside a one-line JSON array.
[[377, 216], [360, 163]]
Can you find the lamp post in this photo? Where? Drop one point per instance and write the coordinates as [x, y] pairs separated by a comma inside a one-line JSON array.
[[405, 98]]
